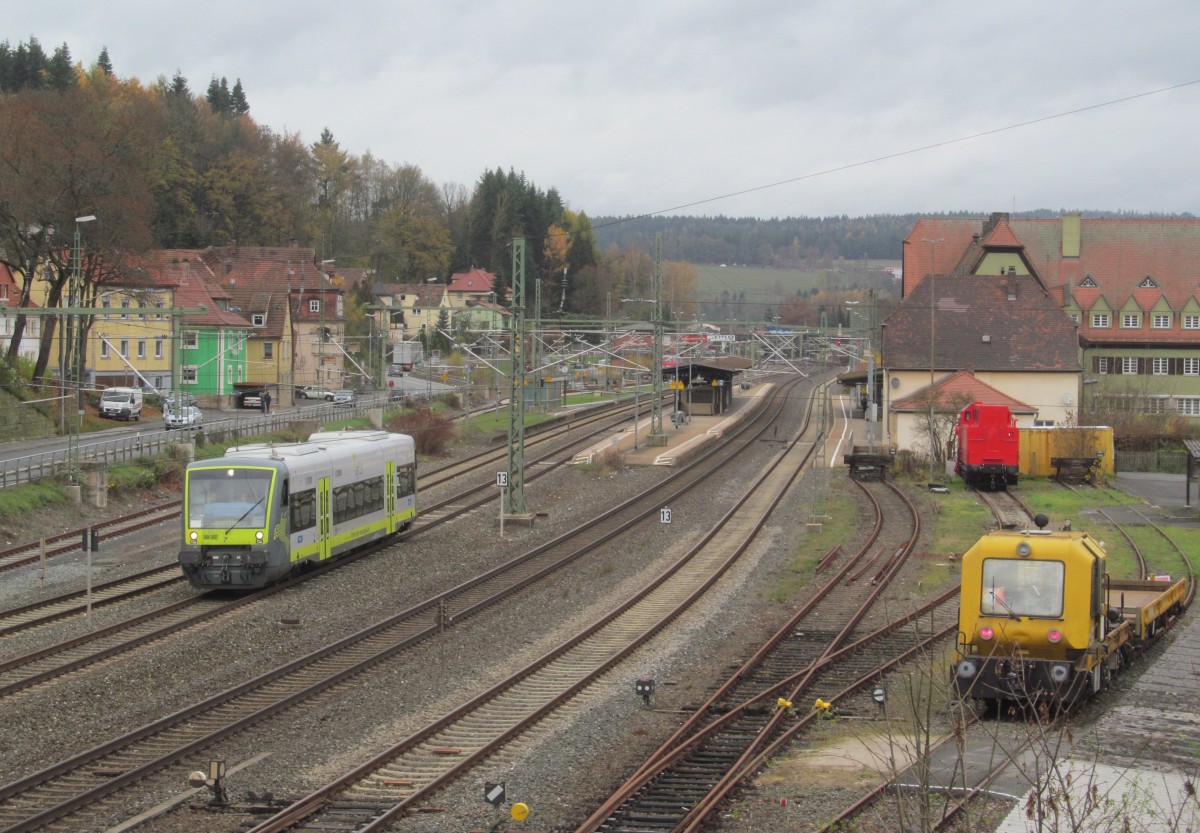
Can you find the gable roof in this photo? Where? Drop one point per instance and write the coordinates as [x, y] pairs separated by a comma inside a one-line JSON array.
[[475, 280], [959, 387], [1119, 253], [992, 324]]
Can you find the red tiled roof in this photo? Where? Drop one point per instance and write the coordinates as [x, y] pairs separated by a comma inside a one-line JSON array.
[[994, 324], [1118, 254], [959, 387], [476, 280]]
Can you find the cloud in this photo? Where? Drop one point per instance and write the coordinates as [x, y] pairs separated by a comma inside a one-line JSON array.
[[634, 107]]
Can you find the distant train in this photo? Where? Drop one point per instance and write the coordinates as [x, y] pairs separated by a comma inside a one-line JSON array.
[[1040, 619], [266, 511], [989, 446]]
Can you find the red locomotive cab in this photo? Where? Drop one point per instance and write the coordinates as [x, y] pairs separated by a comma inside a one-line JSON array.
[[988, 446]]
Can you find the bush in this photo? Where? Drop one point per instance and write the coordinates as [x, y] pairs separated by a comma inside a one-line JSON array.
[[430, 431]]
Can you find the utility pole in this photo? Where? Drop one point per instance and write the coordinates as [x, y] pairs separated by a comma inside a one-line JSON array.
[[933, 437], [657, 436], [534, 352], [516, 387], [321, 278]]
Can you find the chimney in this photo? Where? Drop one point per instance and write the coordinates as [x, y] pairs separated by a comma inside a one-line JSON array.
[[1071, 231]]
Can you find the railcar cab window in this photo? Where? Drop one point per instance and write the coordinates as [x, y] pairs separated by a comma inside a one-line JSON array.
[[227, 498], [1018, 587], [406, 480]]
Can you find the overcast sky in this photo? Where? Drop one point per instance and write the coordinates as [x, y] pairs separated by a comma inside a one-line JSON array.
[[637, 107]]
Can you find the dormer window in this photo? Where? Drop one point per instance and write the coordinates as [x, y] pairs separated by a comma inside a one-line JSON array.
[[1131, 321], [1148, 283], [1089, 282], [259, 319]]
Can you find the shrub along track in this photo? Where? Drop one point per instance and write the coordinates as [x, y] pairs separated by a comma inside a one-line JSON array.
[[58, 795]]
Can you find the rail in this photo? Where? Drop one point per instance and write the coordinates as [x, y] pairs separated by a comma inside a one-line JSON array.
[[154, 441]]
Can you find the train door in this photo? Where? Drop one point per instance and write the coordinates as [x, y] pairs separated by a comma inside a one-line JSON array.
[[389, 480], [324, 518]]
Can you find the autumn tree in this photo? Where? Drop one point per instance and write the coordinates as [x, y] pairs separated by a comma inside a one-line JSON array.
[[64, 155]]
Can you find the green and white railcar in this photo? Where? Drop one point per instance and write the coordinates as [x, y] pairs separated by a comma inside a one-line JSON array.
[[266, 511]]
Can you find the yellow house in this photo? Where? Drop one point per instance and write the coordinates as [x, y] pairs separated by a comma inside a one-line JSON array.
[[128, 340]]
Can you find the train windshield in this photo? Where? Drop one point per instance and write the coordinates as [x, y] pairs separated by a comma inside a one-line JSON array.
[[1018, 587], [228, 498]]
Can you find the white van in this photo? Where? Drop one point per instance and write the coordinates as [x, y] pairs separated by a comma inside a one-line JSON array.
[[121, 403]]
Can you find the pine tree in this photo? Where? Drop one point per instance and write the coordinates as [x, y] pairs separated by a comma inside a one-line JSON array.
[[237, 100], [104, 63], [218, 95], [60, 73], [179, 86], [6, 68]]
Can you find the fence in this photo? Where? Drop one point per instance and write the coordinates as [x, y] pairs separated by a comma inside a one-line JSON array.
[[1168, 462], [31, 467]]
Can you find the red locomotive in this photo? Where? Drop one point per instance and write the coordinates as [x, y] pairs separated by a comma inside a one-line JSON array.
[[988, 446]]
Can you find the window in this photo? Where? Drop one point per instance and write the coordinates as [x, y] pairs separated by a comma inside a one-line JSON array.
[[3, 292], [1156, 404], [160, 305], [1161, 367], [1188, 405], [189, 375], [268, 349], [105, 305], [314, 306], [1148, 283], [1131, 321], [1191, 367], [1161, 322], [191, 340], [123, 348], [1102, 364], [141, 348], [1100, 319], [158, 348], [104, 348], [303, 506], [259, 319], [1191, 322], [1043, 423], [1022, 588], [1129, 364], [1074, 317], [1088, 281]]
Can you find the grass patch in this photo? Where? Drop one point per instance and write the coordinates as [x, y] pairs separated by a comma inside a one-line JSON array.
[[842, 518], [20, 500], [959, 518]]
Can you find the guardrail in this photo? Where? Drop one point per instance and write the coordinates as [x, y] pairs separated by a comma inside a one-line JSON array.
[[249, 423]]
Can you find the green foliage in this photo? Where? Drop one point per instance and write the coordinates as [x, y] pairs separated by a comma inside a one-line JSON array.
[[20, 500], [140, 475]]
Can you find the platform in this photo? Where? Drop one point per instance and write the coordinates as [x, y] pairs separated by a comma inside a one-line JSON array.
[[683, 442]]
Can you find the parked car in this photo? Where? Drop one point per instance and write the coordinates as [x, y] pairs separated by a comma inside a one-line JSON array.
[[121, 403], [188, 416], [313, 392], [185, 399], [342, 397]]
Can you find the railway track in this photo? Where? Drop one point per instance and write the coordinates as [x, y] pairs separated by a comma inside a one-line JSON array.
[[727, 739], [55, 797], [30, 552], [399, 779], [44, 665], [1008, 508]]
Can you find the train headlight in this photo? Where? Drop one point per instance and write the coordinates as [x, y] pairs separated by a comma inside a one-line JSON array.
[[1055, 636], [986, 633], [1059, 673], [258, 537], [193, 537], [966, 669]]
